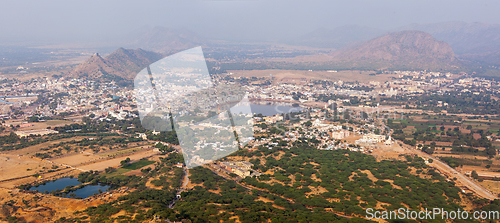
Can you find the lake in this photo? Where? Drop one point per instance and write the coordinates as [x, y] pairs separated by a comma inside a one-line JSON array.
[[62, 183], [6, 102], [267, 109]]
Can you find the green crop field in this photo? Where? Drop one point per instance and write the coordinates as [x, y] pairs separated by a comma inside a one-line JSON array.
[[138, 164]]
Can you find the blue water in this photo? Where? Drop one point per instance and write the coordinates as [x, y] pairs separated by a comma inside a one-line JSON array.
[[62, 183], [89, 190], [58, 184], [267, 110], [6, 102], [19, 96]]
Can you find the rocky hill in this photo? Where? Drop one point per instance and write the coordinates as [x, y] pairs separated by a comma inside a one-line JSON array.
[[400, 50], [121, 65], [464, 38]]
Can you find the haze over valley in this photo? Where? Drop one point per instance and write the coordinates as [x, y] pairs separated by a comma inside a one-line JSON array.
[[250, 111]]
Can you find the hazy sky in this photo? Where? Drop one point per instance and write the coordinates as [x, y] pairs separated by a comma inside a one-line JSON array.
[[66, 21]]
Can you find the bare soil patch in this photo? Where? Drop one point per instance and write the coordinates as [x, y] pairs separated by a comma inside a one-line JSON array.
[[115, 162]]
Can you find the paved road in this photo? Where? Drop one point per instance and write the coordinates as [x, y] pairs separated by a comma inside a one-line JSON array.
[[464, 180]]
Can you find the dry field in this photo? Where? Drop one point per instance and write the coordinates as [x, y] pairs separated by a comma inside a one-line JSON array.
[[493, 186], [101, 165], [288, 75], [121, 152], [462, 156], [31, 150], [39, 125], [76, 159], [14, 182], [84, 158], [13, 166]]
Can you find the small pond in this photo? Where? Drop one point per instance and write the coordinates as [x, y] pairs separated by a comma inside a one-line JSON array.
[[62, 183]]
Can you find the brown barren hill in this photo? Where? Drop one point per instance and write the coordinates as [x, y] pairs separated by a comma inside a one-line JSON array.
[[123, 64], [93, 67], [401, 50], [129, 62]]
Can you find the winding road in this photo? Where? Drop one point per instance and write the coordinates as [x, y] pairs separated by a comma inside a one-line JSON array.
[[182, 189]]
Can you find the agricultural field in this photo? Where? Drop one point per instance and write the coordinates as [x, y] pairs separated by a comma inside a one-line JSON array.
[[115, 162], [34, 158], [468, 143]]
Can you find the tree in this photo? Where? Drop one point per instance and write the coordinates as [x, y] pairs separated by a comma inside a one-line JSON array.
[[109, 169], [474, 174], [308, 124], [428, 150], [125, 162], [33, 118], [491, 151]]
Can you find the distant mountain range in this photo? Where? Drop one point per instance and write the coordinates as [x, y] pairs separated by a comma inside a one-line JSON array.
[[441, 46], [464, 38], [477, 42], [405, 50], [120, 66], [165, 40], [400, 50], [336, 38]]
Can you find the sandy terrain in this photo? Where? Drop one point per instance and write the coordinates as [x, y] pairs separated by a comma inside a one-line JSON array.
[[48, 208], [39, 207], [76, 159], [116, 161], [13, 166], [493, 186]]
